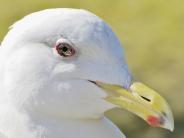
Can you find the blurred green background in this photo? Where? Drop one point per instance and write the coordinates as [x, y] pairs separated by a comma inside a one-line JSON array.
[[152, 34]]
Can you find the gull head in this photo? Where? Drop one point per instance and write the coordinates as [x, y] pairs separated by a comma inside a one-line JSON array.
[[68, 63]]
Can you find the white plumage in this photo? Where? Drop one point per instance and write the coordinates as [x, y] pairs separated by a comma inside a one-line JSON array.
[[44, 95]]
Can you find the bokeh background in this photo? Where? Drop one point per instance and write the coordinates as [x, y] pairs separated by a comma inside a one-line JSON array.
[[152, 33]]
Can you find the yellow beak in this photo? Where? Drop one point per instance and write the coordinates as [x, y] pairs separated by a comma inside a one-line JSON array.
[[142, 101]]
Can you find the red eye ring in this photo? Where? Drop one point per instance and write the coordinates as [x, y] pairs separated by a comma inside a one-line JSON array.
[[65, 50]]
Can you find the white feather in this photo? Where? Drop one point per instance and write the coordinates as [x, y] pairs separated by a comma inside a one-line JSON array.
[[44, 95]]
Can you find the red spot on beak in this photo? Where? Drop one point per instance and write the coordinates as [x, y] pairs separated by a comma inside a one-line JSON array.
[[153, 121]]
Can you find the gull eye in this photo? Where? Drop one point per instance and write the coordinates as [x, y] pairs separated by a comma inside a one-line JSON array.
[[65, 50]]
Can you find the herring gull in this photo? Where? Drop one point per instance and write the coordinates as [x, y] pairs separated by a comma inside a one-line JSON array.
[[60, 70]]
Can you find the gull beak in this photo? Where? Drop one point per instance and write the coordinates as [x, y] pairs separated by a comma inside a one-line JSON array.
[[142, 101]]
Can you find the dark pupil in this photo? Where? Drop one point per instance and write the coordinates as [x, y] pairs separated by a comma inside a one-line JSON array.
[[64, 49]]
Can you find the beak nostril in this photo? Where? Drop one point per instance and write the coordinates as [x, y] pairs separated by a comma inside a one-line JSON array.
[[92, 82], [145, 98]]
